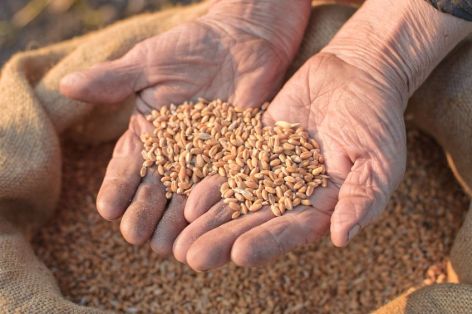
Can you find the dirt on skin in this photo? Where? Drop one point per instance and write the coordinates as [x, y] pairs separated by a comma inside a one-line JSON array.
[[407, 247]]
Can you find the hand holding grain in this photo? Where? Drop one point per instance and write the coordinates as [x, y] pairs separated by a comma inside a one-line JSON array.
[[360, 128], [229, 53], [351, 98]]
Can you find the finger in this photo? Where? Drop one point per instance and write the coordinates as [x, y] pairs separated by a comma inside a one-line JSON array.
[[203, 196], [303, 225], [362, 197], [169, 227], [280, 235], [108, 82], [215, 217], [122, 177], [213, 249], [140, 218]]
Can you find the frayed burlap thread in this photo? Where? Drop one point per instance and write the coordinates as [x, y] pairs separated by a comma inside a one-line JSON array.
[[435, 299]]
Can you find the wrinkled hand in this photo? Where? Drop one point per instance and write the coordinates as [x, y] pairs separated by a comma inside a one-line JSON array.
[[358, 122], [230, 53]]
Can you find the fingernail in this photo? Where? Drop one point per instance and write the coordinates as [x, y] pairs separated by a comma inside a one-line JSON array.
[[354, 231], [73, 79]]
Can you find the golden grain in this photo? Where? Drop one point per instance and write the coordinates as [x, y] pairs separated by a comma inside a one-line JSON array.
[[318, 170], [306, 202], [275, 210], [235, 215], [282, 207], [288, 203], [278, 166], [143, 171], [269, 189], [256, 206]]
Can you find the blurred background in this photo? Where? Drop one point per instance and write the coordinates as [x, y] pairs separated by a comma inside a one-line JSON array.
[[29, 24]]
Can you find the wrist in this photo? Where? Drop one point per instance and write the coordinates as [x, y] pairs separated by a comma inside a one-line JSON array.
[[281, 24], [398, 44]]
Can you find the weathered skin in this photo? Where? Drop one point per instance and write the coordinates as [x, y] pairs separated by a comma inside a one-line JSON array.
[[230, 53], [363, 141], [351, 97]]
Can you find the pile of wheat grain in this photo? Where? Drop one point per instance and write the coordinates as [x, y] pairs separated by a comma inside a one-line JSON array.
[[277, 166], [407, 247]]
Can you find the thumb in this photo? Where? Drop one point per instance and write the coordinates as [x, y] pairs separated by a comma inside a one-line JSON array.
[[362, 197], [108, 82]]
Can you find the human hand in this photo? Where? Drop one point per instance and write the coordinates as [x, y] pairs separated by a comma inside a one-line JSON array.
[[360, 128], [351, 99], [229, 53]]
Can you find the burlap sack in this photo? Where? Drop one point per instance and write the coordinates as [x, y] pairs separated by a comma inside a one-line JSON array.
[[444, 298], [35, 116], [442, 107]]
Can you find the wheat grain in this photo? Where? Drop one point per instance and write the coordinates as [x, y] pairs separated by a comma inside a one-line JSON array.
[[278, 166]]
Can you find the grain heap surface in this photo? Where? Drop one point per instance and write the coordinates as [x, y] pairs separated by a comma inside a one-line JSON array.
[[278, 166], [406, 247]]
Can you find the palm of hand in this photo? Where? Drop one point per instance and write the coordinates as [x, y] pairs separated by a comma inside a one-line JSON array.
[[360, 128], [204, 58], [362, 133]]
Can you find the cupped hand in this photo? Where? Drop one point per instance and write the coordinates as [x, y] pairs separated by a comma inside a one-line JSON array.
[[230, 53], [358, 120]]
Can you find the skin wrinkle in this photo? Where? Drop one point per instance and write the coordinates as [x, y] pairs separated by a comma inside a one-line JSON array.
[[135, 85], [142, 107], [177, 45], [274, 238], [310, 231], [367, 186], [254, 14], [378, 66], [256, 257], [175, 51], [214, 183], [374, 129], [220, 212], [371, 139], [168, 228], [233, 67], [283, 58], [136, 228], [113, 176], [225, 229], [383, 123], [416, 23], [384, 70], [137, 128], [217, 215], [310, 96], [334, 199], [335, 100], [360, 208], [372, 80]]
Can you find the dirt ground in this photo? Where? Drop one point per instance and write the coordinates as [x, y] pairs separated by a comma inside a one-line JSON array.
[[95, 267]]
